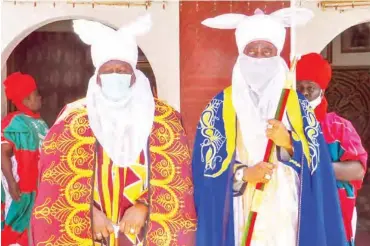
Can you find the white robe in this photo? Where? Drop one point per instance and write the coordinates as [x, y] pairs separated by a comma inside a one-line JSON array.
[[277, 219]]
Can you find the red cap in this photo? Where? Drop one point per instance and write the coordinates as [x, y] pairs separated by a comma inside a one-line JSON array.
[[315, 68], [18, 86]]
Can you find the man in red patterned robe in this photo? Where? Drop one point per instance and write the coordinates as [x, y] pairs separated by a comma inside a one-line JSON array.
[[115, 166], [348, 155]]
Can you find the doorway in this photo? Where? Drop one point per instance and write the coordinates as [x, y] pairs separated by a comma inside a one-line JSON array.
[[349, 96], [61, 65]]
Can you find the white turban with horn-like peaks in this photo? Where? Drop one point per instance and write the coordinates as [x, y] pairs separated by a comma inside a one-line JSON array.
[[108, 44], [254, 107], [259, 26], [121, 127]]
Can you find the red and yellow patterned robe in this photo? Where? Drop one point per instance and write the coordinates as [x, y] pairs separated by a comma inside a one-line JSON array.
[[75, 176]]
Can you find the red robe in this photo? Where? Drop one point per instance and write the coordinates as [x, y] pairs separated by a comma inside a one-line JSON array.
[[344, 145], [65, 199]]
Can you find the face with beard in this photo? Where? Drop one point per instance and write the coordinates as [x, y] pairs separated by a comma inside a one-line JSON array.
[[311, 91], [115, 79]]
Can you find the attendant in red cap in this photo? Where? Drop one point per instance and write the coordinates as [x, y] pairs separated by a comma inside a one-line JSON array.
[[347, 153], [21, 136]]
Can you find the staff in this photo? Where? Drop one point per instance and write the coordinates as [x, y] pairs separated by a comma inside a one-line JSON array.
[[290, 81]]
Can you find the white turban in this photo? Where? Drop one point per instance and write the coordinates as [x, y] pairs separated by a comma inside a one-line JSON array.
[[108, 44], [259, 26], [122, 128], [255, 97], [254, 105]]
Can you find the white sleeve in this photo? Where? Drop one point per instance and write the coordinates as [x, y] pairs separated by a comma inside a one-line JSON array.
[[238, 182]]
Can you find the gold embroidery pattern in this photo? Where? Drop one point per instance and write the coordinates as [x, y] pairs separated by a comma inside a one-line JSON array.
[[168, 187], [72, 174]]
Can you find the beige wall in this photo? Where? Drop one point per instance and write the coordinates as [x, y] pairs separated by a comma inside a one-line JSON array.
[[325, 26]]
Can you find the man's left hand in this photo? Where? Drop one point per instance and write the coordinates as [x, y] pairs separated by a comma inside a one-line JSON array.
[[278, 133], [134, 219]]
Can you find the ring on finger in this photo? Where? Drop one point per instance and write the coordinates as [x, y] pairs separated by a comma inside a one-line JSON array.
[[132, 231], [267, 176]]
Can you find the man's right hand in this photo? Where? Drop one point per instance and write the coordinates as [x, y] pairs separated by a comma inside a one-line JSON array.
[[259, 173], [14, 191], [102, 226]]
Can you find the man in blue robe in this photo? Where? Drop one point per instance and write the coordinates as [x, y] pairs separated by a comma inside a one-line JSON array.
[[299, 203]]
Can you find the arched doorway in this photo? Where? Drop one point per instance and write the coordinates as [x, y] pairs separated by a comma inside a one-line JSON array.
[[349, 96], [61, 65], [160, 45]]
